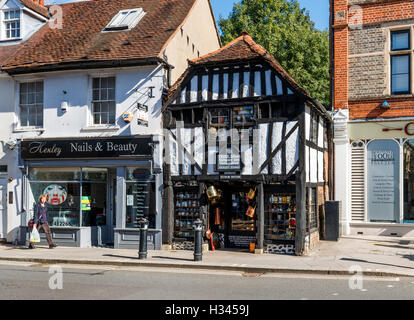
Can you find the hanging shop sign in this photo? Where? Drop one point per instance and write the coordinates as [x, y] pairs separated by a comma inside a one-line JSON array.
[[383, 178], [127, 117], [86, 148], [142, 115], [55, 194]]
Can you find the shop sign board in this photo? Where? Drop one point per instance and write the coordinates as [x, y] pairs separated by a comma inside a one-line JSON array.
[[228, 161], [86, 148], [383, 181], [142, 115]]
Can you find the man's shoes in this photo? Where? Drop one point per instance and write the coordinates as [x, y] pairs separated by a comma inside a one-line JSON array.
[[52, 246], [31, 246]]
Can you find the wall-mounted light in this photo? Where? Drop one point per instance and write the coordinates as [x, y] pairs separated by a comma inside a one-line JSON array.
[[64, 106]]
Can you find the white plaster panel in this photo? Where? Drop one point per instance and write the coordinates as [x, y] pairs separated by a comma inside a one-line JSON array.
[[194, 89], [204, 85], [268, 75], [313, 165], [212, 151], [307, 123], [320, 166], [262, 152], [186, 135], [236, 82], [292, 147], [257, 84], [307, 164], [320, 133], [247, 159], [183, 95], [215, 87], [279, 86], [225, 85], [246, 84], [276, 139], [174, 154], [198, 148]]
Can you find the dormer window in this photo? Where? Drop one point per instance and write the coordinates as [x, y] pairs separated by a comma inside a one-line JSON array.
[[12, 24], [125, 20]]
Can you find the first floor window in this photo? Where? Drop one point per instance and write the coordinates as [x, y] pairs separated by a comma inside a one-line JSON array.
[[31, 104], [103, 100], [12, 24], [400, 74]]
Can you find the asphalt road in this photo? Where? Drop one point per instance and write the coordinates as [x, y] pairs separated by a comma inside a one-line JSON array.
[[30, 281]]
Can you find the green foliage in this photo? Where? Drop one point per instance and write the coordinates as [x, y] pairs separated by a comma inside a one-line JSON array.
[[286, 32]]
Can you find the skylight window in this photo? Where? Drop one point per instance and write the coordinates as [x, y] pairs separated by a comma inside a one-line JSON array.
[[125, 19]]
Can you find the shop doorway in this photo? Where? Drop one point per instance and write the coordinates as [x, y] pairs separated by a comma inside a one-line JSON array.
[[97, 204], [233, 217]]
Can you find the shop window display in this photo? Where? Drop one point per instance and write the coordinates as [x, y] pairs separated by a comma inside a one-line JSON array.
[[187, 210], [280, 216]]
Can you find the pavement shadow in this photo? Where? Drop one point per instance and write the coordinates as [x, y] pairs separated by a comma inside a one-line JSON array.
[[394, 246], [118, 256], [379, 263]]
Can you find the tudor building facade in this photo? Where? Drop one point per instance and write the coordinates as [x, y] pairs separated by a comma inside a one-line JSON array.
[[372, 97], [246, 152]]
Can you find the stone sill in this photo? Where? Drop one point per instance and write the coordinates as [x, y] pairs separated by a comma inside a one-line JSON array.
[[28, 129], [108, 128]]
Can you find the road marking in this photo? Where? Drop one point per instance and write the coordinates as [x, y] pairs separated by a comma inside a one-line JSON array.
[[364, 290], [335, 294], [390, 286]]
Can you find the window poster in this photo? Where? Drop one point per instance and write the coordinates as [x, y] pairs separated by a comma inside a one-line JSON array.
[[383, 181], [86, 203], [55, 194]]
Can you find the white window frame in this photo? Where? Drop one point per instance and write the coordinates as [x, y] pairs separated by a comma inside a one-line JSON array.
[[119, 26], [4, 22], [92, 123], [18, 106]]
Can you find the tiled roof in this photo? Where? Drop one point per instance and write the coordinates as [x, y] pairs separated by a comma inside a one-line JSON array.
[[81, 39], [242, 49]]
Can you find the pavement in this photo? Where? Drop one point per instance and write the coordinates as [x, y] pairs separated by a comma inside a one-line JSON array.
[[372, 256]]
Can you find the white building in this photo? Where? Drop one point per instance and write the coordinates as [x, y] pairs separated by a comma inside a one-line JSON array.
[[81, 89]]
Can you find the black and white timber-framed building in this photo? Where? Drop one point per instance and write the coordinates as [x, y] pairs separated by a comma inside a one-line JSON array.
[[239, 133]]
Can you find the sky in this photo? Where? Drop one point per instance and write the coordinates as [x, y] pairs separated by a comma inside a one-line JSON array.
[[318, 9]]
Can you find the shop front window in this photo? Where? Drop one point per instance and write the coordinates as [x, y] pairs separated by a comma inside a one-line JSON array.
[[62, 195], [383, 181], [409, 181], [140, 197], [280, 216]]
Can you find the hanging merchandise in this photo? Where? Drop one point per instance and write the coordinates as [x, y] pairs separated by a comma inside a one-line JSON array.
[[250, 211], [251, 194], [212, 192], [217, 218]]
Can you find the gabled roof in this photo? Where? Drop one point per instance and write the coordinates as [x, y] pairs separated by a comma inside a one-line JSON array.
[[81, 41], [241, 50]]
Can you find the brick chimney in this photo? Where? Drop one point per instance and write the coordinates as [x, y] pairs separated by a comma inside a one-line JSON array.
[[41, 2]]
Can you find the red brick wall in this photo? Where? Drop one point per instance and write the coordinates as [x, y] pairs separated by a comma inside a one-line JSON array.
[[377, 12]]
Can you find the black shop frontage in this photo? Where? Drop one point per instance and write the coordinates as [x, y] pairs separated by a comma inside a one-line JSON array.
[[246, 151], [97, 189]]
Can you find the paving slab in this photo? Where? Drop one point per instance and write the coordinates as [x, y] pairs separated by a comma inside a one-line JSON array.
[[376, 256]]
